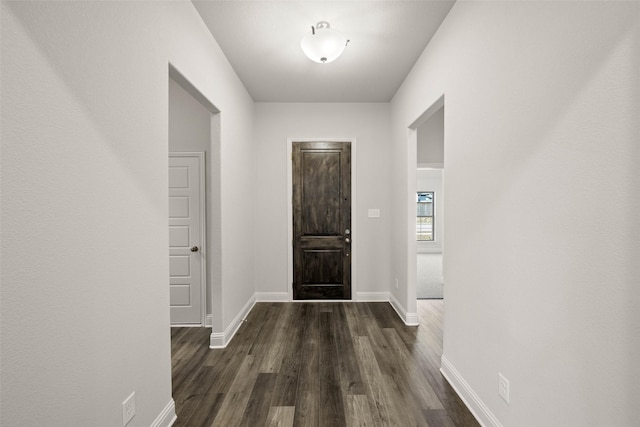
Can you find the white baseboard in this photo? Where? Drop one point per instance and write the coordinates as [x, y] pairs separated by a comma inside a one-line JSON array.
[[284, 297], [409, 319], [167, 417], [208, 321], [222, 339], [272, 296], [430, 165], [428, 250], [372, 296], [476, 406]]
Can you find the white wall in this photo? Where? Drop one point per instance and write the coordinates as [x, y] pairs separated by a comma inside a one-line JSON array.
[[542, 205], [431, 141], [369, 124], [85, 306], [431, 180]]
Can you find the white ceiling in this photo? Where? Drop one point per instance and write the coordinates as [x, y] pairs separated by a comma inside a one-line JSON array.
[[261, 40]]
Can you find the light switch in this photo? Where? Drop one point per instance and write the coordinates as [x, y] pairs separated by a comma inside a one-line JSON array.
[[374, 213]]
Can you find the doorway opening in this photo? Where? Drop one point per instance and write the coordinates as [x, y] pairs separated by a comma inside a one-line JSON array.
[[194, 126], [425, 258], [430, 211]]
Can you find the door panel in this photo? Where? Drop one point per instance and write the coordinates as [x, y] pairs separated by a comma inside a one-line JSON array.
[[321, 187], [322, 220], [185, 222]]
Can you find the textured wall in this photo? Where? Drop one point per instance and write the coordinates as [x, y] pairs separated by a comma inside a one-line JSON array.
[[84, 203], [541, 215]]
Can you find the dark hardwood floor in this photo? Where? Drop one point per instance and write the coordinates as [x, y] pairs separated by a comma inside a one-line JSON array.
[[317, 364]]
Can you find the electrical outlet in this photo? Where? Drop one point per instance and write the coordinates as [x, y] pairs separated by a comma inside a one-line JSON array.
[[396, 283], [503, 387], [128, 409]]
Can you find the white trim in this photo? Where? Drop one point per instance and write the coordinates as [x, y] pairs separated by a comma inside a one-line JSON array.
[[186, 325], [435, 106], [476, 406], [203, 230], [409, 319], [222, 339], [412, 244], [427, 250], [167, 417], [372, 296], [431, 166], [185, 83], [208, 321], [354, 229], [272, 296]]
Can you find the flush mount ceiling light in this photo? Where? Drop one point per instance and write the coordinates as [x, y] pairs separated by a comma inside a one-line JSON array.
[[323, 44]]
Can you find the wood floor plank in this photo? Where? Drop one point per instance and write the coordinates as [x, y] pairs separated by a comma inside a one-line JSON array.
[[199, 410], [281, 416], [317, 364], [257, 409], [383, 318], [416, 385], [235, 402], [284, 393], [351, 380], [354, 320], [357, 411], [394, 381], [307, 397], [267, 328], [197, 391], [438, 418], [226, 362], [374, 383], [183, 373], [331, 407], [275, 349]]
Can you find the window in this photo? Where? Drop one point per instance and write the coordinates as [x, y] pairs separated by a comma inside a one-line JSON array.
[[424, 220]]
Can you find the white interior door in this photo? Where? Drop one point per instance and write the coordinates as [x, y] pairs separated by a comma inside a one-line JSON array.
[[186, 238]]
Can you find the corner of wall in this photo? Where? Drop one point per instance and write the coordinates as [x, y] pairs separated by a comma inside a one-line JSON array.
[[476, 406], [167, 417], [409, 319], [222, 339]]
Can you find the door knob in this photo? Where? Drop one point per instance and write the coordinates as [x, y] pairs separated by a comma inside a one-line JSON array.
[[347, 239], [194, 249]]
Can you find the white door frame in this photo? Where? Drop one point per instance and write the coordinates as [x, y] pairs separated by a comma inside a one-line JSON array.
[[203, 232], [354, 227]]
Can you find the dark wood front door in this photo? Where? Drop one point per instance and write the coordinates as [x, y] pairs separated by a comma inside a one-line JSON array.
[[322, 220]]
